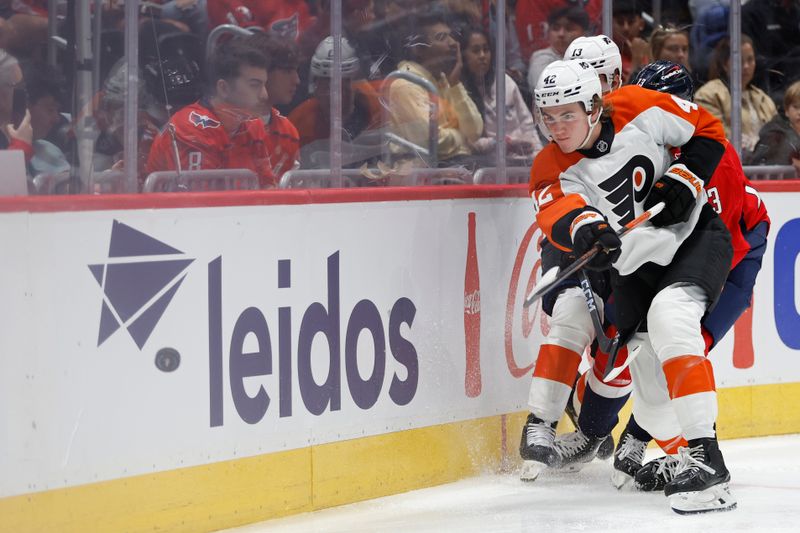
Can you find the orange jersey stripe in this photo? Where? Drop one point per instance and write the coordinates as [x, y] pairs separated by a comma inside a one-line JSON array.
[[688, 374], [671, 446], [557, 364], [580, 387]]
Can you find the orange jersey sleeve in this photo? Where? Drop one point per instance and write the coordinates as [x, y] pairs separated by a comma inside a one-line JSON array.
[[554, 209]]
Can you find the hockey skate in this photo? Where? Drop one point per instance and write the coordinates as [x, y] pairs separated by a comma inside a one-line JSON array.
[[655, 475], [606, 449], [537, 447], [576, 449], [628, 458], [701, 480]]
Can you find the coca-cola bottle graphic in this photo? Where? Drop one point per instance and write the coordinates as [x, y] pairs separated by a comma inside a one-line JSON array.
[[472, 314]]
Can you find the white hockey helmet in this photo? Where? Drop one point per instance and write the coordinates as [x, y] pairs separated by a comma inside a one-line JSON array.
[[601, 52], [565, 82], [322, 61]]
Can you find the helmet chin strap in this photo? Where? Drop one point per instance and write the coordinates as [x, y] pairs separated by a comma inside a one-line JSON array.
[[592, 126]]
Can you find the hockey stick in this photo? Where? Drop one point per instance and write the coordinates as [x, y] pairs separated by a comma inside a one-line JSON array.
[[554, 276], [607, 344]]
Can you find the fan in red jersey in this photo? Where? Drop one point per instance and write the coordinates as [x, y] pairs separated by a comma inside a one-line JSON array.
[[287, 18], [223, 130]]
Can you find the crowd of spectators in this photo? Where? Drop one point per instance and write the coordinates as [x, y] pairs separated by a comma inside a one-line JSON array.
[[262, 101]]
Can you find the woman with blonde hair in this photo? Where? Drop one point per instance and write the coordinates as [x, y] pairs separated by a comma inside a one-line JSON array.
[[670, 43]]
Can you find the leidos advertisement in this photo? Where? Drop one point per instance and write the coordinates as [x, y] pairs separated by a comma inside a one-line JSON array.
[[136, 341], [152, 340]]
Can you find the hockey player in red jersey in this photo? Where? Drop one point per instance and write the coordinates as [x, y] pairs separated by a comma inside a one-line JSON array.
[[287, 18], [610, 162], [223, 130]]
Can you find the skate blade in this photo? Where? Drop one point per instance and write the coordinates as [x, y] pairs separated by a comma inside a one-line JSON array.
[[531, 470], [621, 480], [712, 499], [572, 468]]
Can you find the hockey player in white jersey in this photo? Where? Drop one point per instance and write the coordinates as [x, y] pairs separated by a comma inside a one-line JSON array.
[[571, 331], [611, 161]]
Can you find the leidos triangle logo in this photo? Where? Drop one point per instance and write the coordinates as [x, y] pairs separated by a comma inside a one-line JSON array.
[[138, 281]]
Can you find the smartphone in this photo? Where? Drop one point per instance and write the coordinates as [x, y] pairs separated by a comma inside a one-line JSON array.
[[19, 106]]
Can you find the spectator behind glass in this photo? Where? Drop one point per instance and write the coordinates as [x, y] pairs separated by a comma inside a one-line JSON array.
[[359, 28], [23, 26], [532, 18], [282, 82], [44, 86], [434, 55], [779, 139], [522, 141], [193, 13], [223, 130], [670, 44], [715, 96], [564, 25], [773, 26], [710, 25], [14, 137], [287, 18], [360, 108], [628, 27]]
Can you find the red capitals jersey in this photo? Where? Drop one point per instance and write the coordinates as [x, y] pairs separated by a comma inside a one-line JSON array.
[[30, 7], [288, 18], [736, 201], [532, 21], [283, 143], [203, 144]]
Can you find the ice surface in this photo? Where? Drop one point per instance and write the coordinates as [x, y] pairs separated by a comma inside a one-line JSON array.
[[765, 480]]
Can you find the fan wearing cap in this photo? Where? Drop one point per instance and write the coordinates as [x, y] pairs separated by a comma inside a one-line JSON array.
[[609, 162], [360, 108]]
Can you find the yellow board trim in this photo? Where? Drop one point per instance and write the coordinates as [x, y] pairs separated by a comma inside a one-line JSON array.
[[243, 491]]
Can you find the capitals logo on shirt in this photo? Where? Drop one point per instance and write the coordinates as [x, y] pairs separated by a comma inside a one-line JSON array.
[[203, 121]]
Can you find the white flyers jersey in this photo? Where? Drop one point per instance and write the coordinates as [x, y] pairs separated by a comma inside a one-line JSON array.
[[615, 175]]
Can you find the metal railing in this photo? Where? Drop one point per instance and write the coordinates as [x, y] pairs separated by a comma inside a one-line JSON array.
[[770, 172], [493, 175], [201, 180]]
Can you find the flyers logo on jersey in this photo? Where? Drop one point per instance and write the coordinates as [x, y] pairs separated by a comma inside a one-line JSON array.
[[629, 185], [203, 121]]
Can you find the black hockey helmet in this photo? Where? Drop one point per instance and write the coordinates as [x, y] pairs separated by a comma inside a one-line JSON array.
[[666, 77]]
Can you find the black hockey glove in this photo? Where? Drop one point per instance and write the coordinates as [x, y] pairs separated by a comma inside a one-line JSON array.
[[597, 232], [678, 189]]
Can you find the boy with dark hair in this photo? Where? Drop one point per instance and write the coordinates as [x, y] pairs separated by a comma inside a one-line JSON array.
[[222, 130], [282, 82], [564, 25]]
